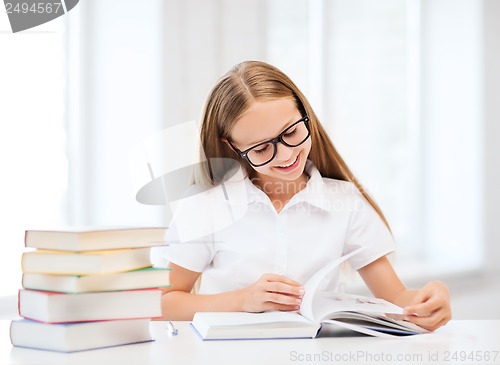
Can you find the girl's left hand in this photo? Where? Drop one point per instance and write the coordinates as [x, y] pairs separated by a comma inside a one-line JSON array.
[[430, 307]]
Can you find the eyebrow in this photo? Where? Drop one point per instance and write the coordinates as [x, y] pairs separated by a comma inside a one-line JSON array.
[[290, 122]]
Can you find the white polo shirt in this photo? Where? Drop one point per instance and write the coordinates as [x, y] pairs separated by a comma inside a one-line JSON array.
[[327, 219]]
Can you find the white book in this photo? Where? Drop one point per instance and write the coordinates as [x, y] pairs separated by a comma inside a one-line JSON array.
[[70, 337], [92, 239], [371, 316], [342, 312]]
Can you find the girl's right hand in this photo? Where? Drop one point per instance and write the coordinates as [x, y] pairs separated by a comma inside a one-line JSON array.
[[272, 292]]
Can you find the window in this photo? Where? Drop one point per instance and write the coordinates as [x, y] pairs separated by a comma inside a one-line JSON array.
[[352, 60], [382, 78], [32, 139]]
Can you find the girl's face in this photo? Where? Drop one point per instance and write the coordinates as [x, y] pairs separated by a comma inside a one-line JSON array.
[[265, 120]]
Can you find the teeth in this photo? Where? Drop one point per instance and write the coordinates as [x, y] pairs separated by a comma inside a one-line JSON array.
[[290, 164]]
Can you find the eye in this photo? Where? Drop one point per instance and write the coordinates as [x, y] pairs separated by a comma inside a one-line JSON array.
[[290, 133], [262, 149]]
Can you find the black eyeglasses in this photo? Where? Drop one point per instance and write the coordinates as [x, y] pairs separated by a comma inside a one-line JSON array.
[[265, 152]]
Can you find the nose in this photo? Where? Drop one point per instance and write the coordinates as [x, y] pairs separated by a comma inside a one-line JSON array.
[[283, 153]]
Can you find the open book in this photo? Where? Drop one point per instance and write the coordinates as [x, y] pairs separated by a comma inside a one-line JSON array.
[[320, 307]]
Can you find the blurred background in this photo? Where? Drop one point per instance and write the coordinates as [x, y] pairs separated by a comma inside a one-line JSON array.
[[407, 89]]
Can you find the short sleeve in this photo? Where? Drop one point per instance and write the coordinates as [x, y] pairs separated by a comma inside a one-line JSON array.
[[366, 229], [182, 249], [192, 255]]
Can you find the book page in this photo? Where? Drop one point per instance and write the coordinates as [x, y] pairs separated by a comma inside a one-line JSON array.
[[325, 304], [361, 329], [313, 285], [377, 321], [234, 319]]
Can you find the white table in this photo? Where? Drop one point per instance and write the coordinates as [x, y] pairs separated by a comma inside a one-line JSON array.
[[470, 339]]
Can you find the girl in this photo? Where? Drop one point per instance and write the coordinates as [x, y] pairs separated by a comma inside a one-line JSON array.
[[303, 208]]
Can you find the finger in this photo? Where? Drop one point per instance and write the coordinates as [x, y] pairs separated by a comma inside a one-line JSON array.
[[423, 309], [422, 296], [440, 324], [283, 288], [282, 299], [280, 278], [431, 322], [271, 306]]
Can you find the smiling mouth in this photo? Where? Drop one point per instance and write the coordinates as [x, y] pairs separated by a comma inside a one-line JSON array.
[[285, 166]]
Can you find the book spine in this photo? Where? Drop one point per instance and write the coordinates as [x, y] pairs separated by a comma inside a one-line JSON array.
[[19, 302], [10, 332], [90, 320]]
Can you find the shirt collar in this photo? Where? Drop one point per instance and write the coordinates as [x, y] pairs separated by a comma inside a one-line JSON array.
[[316, 191], [241, 191]]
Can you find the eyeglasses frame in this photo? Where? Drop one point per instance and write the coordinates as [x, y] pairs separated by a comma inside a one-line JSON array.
[[274, 141]]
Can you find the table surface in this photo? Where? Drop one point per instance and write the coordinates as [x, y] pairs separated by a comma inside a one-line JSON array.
[[459, 342]]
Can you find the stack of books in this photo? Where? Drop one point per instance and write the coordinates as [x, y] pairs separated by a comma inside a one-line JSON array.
[[88, 289]]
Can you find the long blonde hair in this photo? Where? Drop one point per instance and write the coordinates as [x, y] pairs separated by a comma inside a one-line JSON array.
[[233, 94]]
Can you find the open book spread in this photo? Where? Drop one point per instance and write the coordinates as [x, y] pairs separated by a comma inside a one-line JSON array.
[[320, 307]]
